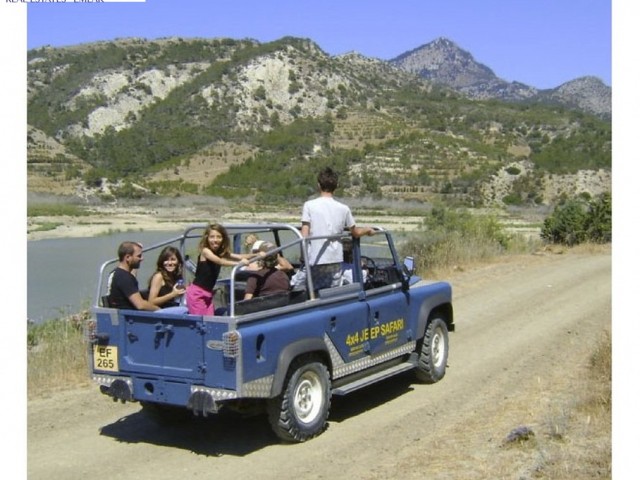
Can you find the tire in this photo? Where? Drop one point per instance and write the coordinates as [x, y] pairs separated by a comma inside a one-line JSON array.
[[434, 352], [300, 412]]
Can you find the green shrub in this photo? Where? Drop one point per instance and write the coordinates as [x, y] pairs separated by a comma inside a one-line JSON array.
[[449, 237], [577, 221], [598, 225], [512, 199]]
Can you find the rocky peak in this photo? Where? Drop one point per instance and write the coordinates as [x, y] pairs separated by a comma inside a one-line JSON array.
[[443, 62]]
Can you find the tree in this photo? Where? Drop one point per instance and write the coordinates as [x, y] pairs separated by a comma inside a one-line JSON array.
[[578, 221]]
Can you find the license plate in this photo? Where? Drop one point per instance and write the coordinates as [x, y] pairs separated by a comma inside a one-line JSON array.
[[105, 358]]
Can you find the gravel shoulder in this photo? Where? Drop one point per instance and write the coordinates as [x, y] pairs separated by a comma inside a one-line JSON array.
[[525, 329]]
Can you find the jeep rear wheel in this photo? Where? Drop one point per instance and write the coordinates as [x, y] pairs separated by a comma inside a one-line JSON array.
[[432, 363], [301, 411]]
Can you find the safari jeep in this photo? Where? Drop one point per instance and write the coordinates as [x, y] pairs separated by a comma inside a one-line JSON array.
[[286, 353]]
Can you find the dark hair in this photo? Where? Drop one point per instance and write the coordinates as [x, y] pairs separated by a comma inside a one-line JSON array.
[[224, 250], [127, 248], [169, 278], [328, 180]]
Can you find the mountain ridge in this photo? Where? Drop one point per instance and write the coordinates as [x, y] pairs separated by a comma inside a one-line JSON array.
[[443, 62], [168, 114]]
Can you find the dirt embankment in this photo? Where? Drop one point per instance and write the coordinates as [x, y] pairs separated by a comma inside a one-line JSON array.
[[526, 330]]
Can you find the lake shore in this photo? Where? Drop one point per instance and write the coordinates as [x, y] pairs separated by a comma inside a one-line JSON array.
[[104, 220]]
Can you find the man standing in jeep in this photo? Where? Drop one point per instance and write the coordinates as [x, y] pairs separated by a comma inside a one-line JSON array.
[[324, 216]]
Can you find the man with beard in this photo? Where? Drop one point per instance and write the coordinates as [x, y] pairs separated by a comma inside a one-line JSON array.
[[122, 286]]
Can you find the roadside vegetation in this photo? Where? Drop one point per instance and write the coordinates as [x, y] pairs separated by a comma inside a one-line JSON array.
[[57, 355], [450, 238], [579, 221], [575, 438]]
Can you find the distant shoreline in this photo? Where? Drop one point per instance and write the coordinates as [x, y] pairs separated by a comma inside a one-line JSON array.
[[113, 220]]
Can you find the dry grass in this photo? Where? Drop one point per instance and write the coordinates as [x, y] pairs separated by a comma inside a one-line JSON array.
[[57, 356], [574, 438]]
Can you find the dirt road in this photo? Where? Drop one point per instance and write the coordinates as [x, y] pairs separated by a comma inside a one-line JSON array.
[[525, 330]]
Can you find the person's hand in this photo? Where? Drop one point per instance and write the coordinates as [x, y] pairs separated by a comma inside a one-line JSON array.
[[179, 289]]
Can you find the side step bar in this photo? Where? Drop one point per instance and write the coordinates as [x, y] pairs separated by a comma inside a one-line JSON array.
[[373, 378]]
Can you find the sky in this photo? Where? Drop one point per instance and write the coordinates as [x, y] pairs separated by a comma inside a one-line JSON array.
[[541, 43]]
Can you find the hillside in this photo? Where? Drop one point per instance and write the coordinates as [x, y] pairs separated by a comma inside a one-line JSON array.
[[240, 119]]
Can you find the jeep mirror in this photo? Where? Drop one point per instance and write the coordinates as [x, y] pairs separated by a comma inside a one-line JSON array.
[[409, 266]]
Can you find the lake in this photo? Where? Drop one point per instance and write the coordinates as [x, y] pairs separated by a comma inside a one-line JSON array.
[[62, 274]]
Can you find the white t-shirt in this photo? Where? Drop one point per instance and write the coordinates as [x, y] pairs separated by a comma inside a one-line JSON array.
[[326, 216]]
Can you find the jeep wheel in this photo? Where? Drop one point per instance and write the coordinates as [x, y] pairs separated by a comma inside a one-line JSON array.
[[301, 411], [432, 363]]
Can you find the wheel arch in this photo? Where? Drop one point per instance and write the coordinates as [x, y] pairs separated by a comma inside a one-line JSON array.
[[313, 347], [430, 309]]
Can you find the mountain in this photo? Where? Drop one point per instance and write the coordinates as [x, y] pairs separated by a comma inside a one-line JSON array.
[[443, 62], [242, 119]]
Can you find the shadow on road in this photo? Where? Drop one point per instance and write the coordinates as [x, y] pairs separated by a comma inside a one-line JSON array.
[[374, 396], [229, 433], [226, 433]]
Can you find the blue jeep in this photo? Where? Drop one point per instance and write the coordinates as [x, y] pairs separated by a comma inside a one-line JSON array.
[[289, 353]]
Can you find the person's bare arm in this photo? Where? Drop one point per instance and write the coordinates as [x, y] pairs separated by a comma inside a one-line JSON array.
[[225, 262], [142, 304], [358, 232], [154, 290], [284, 264]]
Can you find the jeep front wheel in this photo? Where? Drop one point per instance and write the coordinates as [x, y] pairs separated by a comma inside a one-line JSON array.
[[301, 411], [432, 362]]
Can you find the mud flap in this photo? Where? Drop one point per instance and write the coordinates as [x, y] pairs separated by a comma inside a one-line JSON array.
[[119, 390], [202, 403]]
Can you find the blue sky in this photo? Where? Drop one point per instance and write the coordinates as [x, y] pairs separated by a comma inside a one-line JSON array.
[[542, 43]]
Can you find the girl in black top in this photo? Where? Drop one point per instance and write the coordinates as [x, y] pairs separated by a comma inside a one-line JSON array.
[[215, 252], [164, 289]]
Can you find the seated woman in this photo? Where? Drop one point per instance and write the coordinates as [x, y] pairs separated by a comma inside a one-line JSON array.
[[269, 279], [166, 285]]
